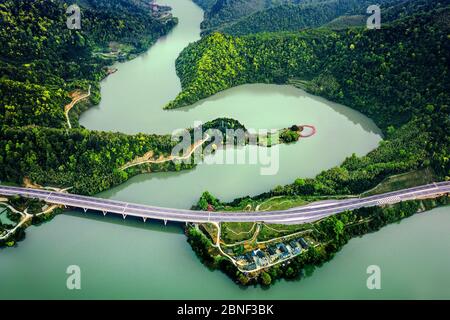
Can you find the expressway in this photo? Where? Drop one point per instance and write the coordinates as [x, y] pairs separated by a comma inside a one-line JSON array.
[[305, 214]]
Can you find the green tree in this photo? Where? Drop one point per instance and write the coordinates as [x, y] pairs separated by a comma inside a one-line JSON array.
[[266, 280]]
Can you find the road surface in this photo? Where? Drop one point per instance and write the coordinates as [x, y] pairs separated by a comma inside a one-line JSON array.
[[299, 215]]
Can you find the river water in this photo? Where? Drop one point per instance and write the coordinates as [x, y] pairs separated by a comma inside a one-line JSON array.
[[130, 259]]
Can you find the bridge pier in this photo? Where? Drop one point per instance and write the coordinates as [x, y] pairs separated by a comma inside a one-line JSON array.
[[104, 213], [124, 216], [145, 219], [165, 222], [85, 210]]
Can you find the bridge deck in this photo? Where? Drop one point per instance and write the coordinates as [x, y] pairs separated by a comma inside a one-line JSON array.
[[299, 215]]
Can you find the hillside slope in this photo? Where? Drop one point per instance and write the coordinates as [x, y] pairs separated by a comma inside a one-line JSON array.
[[332, 13], [291, 17]]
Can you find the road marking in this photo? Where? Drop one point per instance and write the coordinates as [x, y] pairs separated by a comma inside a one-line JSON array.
[[299, 214], [49, 195], [389, 200]]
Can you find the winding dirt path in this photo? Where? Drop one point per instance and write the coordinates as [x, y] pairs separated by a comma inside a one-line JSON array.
[[76, 97], [25, 217], [145, 159]]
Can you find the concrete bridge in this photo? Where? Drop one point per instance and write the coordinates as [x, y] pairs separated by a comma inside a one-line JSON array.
[[299, 215]]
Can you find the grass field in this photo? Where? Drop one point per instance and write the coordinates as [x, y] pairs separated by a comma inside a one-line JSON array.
[[402, 181], [271, 231], [281, 203], [237, 231]]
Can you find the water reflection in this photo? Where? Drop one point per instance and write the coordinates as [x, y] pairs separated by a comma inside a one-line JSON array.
[[129, 222]]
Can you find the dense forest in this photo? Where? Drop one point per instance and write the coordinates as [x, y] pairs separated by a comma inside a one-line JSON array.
[[41, 58], [125, 21], [85, 160], [237, 17], [250, 16], [398, 76], [41, 62], [290, 17], [221, 12], [331, 14]]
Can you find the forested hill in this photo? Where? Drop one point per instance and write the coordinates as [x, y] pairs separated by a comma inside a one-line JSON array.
[[291, 17], [296, 15], [126, 21], [391, 10], [399, 76], [221, 12], [41, 62], [41, 59]]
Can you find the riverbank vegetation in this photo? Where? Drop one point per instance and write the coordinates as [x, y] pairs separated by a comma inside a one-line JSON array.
[[85, 160], [334, 14], [22, 213], [329, 234], [293, 17]]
